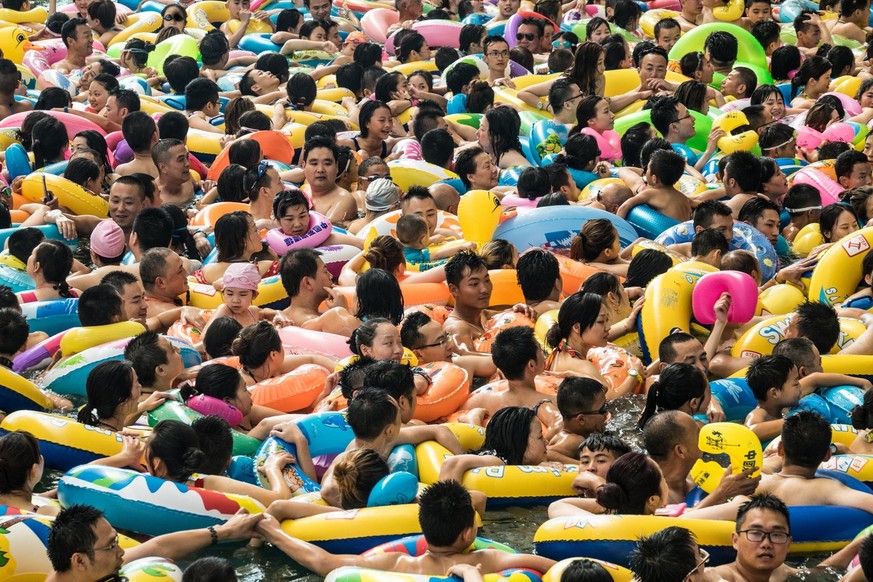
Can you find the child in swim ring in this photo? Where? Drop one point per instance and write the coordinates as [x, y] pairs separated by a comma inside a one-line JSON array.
[[240, 288]]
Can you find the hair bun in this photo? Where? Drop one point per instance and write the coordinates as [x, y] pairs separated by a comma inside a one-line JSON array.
[[611, 496]]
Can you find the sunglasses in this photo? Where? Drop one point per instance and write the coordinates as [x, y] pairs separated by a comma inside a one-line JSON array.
[[525, 36], [175, 16]]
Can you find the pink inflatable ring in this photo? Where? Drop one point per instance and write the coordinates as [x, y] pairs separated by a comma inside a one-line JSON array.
[[744, 296]]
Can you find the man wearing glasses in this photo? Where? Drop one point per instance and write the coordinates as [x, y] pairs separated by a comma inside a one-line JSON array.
[[530, 34], [496, 51]]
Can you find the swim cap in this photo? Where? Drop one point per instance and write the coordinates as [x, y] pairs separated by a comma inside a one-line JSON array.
[[242, 276], [381, 195], [107, 239]]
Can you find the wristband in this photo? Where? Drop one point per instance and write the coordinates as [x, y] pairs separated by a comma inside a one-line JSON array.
[[213, 534]]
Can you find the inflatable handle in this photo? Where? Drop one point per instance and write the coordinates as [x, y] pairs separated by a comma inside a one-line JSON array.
[[744, 296], [394, 489], [207, 405]]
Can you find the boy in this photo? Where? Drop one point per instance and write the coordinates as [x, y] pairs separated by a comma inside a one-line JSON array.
[[413, 233], [803, 204], [202, 104], [766, 32], [709, 246], [778, 140], [667, 33], [775, 382], [741, 82], [141, 134], [663, 171], [448, 522], [757, 11], [852, 169], [854, 20], [582, 404], [520, 359], [811, 32]]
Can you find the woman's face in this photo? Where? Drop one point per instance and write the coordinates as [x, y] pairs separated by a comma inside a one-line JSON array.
[[318, 35], [253, 239], [380, 123], [402, 89], [820, 84], [868, 146], [97, 96], [243, 399], [597, 334], [845, 224], [482, 134], [775, 105], [486, 174], [386, 344], [535, 453], [776, 187], [79, 143], [418, 83], [866, 99], [422, 55], [604, 119], [176, 17], [599, 33], [295, 220]]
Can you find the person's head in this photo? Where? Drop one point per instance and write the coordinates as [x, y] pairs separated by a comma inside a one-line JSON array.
[[582, 404], [593, 112], [221, 382], [21, 462], [599, 451], [162, 272], [806, 438], [778, 140], [582, 319], [476, 169], [669, 555], [499, 131], [585, 570], [468, 280], [446, 514], [379, 295], [202, 95], [377, 338], [672, 437], [438, 147], [680, 386], [256, 82], [816, 321], [76, 36], [530, 33], [774, 379], [741, 81], [236, 236], [837, 221], [51, 261], [470, 39], [766, 32], [13, 331], [852, 169], [356, 476], [597, 241], [220, 335], [652, 63], [667, 33], [374, 414], [665, 168], [763, 215], [709, 246], [140, 131], [303, 271], [394, 377], [763, 534], [100, 305], [171, 158], [48, 141], [181, 71], [770, 97], [538, 275], [173, 451], [259, 345], [634, 486], [803, 200], [82, 542], [517, 354], [814, 75], [516, 436], [128, 287], [210, 569], [152, 228], [425, 337], [802, 352], [113, 391], [499, 254], [412, 231], [721, 48]]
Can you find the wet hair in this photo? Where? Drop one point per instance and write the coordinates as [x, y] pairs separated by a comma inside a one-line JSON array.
[[503, 130], [19, 452], [379, 296], [605, 441], [537, 270], [832, 149], [480, 98], [100, 305], [109, 385], [765, 501], [513, 349], [177, 445], [632, 142], [81, 170], [806, 437], [470, 33], [667, 348], [768, 372], [596, 236], [508, 433], [593, 24], [14, 330], [55, 260], [522, 56], [411, 42], [581, 151], [254, 344], [72, 531], [662, 433], [581, 308], [577, 394], [445, 510], [785, 59], [301, 90], [218, 339], [365, 334], [692, 94], [153, 228], [52, 97], [626, 13], [461, 265], [296, 265], [667, 555], [722, 47], [48, 141], [812, 68], [211, 568], [437, 146], [754, 209], [585, 570], [216, 380], [708, 240], [631, 480], [818, 322], [386, 253], [667, 166], [230, 235], [173, 125], [677, 384], [745, 168], [356, 476], [830, 214], [497, 253], [145, 354], [645, 266], [394, 377], [602, 283], [371, 410]]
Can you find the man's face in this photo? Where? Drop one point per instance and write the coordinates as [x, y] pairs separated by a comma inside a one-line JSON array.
[[108, 555], [529, 37], [125, 202], [175, 276], [860, 176], [669, 37], [691, 352], [652, 66], [320, 169], [684, 122], [113, 113], [724, 225], [761, 556], [174, 365], [133, 301], [320, 9], [84, 43], [810, 37], [597, 462], [424, 207], [497, 56], [508, 7], [732, 84], [177, 166], [474, 289], [264, 82], [323, 279], [768, 224], [435, 345], [486, 174]]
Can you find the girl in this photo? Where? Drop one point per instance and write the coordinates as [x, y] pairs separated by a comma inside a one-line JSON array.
[[498, 136], [598, 245], [695, 95], [99, 91], [821, 115], [679, 387], [376, 121], [595, 118], [393, 89], [291, 209], [378, 339], [616, 298], [173, 16], [49, 266], [90, 139], [696, 66], [864, 96], [814, 76], [240, 283], [771, 98], [583, 324], [49, 142], [596, 30], [85, 173], [21, 469], [113, 392], [837, 221], [514, 437]]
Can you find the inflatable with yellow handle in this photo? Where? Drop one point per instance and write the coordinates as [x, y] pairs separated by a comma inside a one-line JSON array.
[[761, 338], [779, 299], [80, 339], [843, 434], [621, 81], [731, 11], [650, 244], [152, 106], [202, 15], [334, 95], [471, 436], [63, 442], [270, 291], [406, 173], [38, 14], [19, 393], [839, 269], [505, 485], [137, 23], [618, 573], [741, 142], [725, 444], [14, 43], [69, 194], [479, 214], [525, 81], [409, 68], [807, 239], [652, 17]]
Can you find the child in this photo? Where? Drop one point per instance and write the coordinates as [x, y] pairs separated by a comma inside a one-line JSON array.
[[803, 204], [775, 382], [709, 246], [291, 208], [240, 288], [514, 437], [413, 233], [520, 359], [667, 33], [757, 11], [582, 404], [202, 104], [664, 170]]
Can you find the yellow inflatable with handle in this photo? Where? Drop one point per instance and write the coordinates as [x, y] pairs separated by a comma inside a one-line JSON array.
[[20, 386], [204, 296], [720, 439], [136, 24], [406, 173], [69, 194], [61, 430], [730, 143], [807, 239], [652, 17], [761, 338], [779, 299], [202, 14], [409, 68], [839, 270], [80, 339], [479, 213], [618, 573], [731, 11]]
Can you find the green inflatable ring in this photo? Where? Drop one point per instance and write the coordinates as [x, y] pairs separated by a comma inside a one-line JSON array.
[[181, 44], [749, 51], [702, 125]]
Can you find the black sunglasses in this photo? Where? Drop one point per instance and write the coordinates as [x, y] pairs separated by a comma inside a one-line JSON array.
[[175, 16], [523, 35]]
